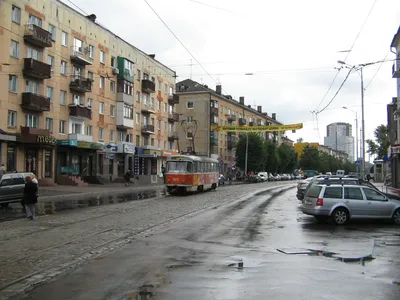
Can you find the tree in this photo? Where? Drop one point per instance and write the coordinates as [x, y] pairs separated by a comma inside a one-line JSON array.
[[381, 144], [273, 159], [309, 159], [287, 159], [256, 155]]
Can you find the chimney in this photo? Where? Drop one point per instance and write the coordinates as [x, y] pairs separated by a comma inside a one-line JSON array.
[[92, 17], [259, 109], [273, 116], [241, 100], [218, 89], [153, 56], [249, 106]]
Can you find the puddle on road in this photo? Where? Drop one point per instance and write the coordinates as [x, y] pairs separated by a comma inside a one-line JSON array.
[[47, 207]]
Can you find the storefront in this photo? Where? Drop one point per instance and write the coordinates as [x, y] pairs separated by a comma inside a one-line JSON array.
[[166, 153], [8, 150], [38, 152], [125, 155], [108, 161], [147, 163]]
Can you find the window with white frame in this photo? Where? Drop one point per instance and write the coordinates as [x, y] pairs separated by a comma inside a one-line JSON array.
[[35, 20], [101, 134], [159, 124], [152, 102], [113, 62], [145, 98], [165, 88], [102, 82], [12, 118], [63, 98], [137, 96], [12, 83], [152, 142], [128, 88], [32, 87], [64, 39], [16, 14], [128, 111], [32, 121], [78, 45], [121, 136], [33, 53], [171, 145], [165, 145], [112, 86], [49, 124], [137, 118], [158, 143], [102, 57], [129, 138], [89, 102], [14, 49], [51, 61], [159, 85], [112, 110], [63, 69], [101, 108], [159, 105], [76, 128], [111, 135], [89, 130], [62, 126], [165, 125], [50, 93], [189, 119], [53, 31], [189, 105], [77, 99], [139, 75], [91, 51], [165, 107]]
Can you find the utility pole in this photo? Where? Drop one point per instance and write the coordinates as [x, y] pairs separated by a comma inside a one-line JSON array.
[[247, 151], [362, 124]]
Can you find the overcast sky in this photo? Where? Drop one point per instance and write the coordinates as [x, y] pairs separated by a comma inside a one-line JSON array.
[[290, 46]]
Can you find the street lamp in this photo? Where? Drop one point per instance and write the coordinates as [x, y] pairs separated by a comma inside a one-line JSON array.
[[345, 107]]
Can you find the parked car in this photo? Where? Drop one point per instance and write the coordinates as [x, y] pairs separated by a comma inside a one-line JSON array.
[[263, 176], [303, 184], [345, 202], [255, 178], [12, 187]]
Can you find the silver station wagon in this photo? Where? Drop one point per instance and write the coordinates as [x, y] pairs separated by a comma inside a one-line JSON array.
[[345, 202]]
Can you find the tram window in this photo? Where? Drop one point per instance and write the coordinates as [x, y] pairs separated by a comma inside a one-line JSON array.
[[179, 166], [189, 167], [194, 165], [202, 167]]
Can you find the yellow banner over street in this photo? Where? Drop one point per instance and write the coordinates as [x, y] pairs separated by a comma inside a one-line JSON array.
[[267, 128]]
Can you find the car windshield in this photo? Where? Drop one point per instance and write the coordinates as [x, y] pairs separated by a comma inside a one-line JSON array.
[[179, 166]]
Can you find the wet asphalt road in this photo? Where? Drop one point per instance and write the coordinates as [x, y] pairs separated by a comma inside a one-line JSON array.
[[199, 258]]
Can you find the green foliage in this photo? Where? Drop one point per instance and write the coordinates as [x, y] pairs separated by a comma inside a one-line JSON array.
[[287, 159], [257, 154], [309, 159], [381, 144], [273, 159]]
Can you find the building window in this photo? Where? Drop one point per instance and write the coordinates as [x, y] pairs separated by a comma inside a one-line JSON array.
[[32, 87], [159, 106], [159, 85], [171, 145], [89, 130], [129, 138], [101, 134], [153, 79], [77, 99], [49, 124], [165, 145], [102, 57], [89, 103], [53, 31], [137, 96], [34, 20], [137, 118], [32, 121], [113, 62], [51, 61], [102, 82], [112, 86], [101, 108], [91, 51], [189, 105], [189, 119], [139, 76], [63, 98], [90, 75], [152, 142], [62, 126], [33, 53], [14, 49], [63, 69], [12, 83], [112, 110], [128, 88], [121, 136], [159, 124], [77, 128], [165, 107], [128, 111], [165, 88], [152, 102], [64, 39], [16, 14], [50, 93], [12, 118], [165, 125], [137, 140], [111, 135]]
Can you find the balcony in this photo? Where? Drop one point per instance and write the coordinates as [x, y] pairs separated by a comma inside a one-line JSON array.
[[124, 121], [37, 36], [148, 129], [80, 111], [231, 145], [80, 56], [80, 84], [122, 97], [34, 131], [173, 99], [396, 69], [36, 69], [148, 86], [242, 121], [172, 136], [214, 111], [174, 117], [147, 109], [35, 102], [80, 137], [231, 118]]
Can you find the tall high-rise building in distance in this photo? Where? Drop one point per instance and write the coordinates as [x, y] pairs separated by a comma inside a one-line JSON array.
[[339, 137]]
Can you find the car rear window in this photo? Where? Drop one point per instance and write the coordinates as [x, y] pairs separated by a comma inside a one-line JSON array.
[[313, 191], [333, 192]]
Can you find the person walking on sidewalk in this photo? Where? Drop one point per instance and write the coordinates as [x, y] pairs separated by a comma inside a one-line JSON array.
[[30, 197], [127, 177]]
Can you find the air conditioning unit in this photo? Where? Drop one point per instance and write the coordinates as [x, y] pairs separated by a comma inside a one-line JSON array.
[[115, 71]]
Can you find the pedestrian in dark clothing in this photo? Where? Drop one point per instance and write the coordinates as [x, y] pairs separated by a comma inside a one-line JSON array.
[[30, 197], [127, 177], [368, 177], [163, 172]]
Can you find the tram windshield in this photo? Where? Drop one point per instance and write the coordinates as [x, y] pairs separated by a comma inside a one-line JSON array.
[[179, 166]]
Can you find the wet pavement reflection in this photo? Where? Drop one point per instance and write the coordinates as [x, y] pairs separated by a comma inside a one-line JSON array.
[[46, 207]]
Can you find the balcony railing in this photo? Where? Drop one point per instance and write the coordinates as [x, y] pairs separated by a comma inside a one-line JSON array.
[[36, 69], [396, 69], [174, 117], [173, 99], [232, 118], [147, 108], [148, 86], [214, 111], [37, 36], [242, 121], [80, 56], [80, 84], [147, 129], [80, 111], [80, 137], [173, 136], [35, 102]]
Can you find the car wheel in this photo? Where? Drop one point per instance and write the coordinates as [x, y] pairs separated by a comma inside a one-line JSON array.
[[396, 216], [340, 216]]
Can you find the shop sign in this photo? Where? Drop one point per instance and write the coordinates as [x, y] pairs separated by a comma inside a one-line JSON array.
[[45, 139], [90, 145], [166, 153], [111, 147], [152, 152], [110, 156], [129, 148], [395, 149], [72, 143], [5, 137]]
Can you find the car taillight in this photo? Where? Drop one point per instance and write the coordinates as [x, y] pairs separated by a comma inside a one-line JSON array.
[[320, 202]]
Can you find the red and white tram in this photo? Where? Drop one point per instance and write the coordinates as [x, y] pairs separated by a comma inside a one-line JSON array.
[[186, 173]]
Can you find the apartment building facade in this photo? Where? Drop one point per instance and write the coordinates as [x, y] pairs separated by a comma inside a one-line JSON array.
[[339, 137], [201, 107], [81, 102]]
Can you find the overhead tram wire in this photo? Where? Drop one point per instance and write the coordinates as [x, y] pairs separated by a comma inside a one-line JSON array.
[[380, 66]]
